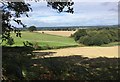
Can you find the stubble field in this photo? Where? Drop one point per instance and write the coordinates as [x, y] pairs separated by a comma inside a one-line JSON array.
[[59, 33], [91, 52]]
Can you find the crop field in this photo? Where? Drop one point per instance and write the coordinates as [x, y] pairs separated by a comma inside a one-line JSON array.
[[59, 33], [91, 52], [43, 39], [57, 41]]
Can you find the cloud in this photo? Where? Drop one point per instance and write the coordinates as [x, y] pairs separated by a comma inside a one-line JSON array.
[[111, 6], [86, 13]]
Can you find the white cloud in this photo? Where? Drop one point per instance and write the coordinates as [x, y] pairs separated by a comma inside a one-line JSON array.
[[86, 13]]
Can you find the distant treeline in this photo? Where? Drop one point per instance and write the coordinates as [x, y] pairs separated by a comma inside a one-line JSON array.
[[71, 28], [97, 36], [74, 28]]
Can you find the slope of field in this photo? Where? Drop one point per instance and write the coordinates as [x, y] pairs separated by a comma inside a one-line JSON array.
[[91, 52], [60, 33], [111, 44], [43, 39]]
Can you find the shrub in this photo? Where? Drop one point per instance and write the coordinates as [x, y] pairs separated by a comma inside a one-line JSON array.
[[79, 33], [10, 41], [85, 40], [35, 45]]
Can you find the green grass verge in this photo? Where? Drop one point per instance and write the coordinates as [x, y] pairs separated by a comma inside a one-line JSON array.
[[111, 44]]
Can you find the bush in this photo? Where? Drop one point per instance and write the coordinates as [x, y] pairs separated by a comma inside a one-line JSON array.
[[10, 41], [36, 45], [79, 33], [85, 40]]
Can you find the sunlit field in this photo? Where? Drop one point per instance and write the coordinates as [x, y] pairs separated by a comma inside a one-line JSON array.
[[91, 52], [43, 39], [59, 33]]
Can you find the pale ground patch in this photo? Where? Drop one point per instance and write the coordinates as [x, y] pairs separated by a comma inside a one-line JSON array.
[[60, 33], [91, 52]]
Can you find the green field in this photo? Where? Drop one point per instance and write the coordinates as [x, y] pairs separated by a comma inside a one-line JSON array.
[[43, 40], [48, 40]]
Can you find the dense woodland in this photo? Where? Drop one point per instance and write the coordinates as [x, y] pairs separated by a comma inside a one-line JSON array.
[[97, 36]]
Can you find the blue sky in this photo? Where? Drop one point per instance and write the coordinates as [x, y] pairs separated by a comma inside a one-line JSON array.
[[85, 14]]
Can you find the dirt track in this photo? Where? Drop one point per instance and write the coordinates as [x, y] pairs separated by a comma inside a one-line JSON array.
[[90, 52]]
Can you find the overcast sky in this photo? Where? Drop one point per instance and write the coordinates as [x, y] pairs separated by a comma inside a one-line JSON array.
[[85, 14]]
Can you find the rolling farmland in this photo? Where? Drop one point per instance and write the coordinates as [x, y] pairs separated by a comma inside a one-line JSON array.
[[44, 39], [60, 39]]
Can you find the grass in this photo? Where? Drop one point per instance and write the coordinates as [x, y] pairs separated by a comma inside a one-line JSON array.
[[43, 40], [48, 40], [111, 44]]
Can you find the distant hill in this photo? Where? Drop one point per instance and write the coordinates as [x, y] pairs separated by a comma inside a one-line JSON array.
[[69, 28], [75, 27]]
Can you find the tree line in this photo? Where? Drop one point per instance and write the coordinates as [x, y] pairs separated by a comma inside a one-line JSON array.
[[96, 36]]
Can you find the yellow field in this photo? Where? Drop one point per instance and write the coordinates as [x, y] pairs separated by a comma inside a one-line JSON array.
[[91, 52], [60, 33]]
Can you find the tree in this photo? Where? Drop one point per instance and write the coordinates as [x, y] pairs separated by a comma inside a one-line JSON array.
[[61, 5], [77, 35], [32, 28], [21, 8], [85, 40]]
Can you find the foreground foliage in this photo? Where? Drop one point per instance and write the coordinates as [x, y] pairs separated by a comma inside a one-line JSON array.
[[18, 64]]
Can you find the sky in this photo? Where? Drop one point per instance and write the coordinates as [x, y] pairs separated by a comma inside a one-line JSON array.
[[85, 14]]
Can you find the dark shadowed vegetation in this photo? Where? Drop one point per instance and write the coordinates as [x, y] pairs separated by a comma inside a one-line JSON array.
[[20, 64]]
